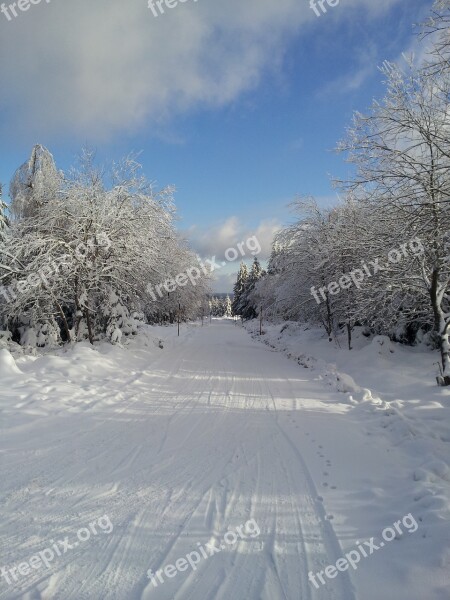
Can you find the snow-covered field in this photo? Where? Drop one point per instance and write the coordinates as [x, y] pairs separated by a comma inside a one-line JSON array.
[[155, 453]]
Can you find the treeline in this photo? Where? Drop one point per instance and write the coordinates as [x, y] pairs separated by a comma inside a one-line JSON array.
[[220, 307], [245, 304], [81, 253], [381, 257]]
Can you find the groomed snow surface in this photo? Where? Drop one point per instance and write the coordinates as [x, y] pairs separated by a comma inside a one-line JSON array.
[[120, 460]]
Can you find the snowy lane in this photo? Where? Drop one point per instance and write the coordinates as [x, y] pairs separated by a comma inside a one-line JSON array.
[[175, 453]]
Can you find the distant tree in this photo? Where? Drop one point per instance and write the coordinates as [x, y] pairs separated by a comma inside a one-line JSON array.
[[217, 307], [239, 289], [228, 307], [249, 308]]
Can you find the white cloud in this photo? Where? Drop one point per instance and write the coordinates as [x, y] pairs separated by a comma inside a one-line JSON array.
[[100, 68], [215, 240], [224, 283]]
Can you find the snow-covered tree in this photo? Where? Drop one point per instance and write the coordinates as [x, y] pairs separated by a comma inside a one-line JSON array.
[[249, 302], [394, 216], [437, 28], [33, 183], [4, 222], [228, 307], [217, 307], [85, 249], [402, 153], [239, 289]]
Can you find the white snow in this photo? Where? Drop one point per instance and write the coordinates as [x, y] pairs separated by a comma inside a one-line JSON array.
[[178, 440]]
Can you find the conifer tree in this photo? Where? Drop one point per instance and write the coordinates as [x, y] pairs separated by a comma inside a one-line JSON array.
[[239, 289], [249, 308], [228, 307]]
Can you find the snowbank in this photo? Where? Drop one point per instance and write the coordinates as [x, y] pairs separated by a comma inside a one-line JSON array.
[[392, 394]]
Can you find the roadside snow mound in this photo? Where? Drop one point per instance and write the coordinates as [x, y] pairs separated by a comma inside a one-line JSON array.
[[8, 367], [382, 345], [326, 372], [345, 383]]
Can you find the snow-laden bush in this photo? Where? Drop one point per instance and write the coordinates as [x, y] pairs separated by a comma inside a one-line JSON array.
[[85, 250]]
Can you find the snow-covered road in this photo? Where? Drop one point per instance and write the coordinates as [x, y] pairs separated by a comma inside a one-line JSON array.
[[175, 447]]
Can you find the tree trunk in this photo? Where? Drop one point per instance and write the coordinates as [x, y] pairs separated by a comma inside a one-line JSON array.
[[88, 321], [64, 320], [445, 354], [329, 325], [441, 327]]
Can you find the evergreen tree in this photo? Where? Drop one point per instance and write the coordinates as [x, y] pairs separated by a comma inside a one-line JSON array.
[[257, 271], [239, 289], [249, 308], [228, 307], [217, 307]]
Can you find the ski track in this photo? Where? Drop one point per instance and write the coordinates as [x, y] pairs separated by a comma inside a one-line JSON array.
[[186, 448]]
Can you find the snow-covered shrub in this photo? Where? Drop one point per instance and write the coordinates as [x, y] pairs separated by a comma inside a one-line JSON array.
[[75, 237]]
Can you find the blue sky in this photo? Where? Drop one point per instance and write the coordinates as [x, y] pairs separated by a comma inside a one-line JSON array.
[[238, 106]]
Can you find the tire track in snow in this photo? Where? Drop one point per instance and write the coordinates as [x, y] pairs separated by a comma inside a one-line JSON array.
[[192, 447]]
